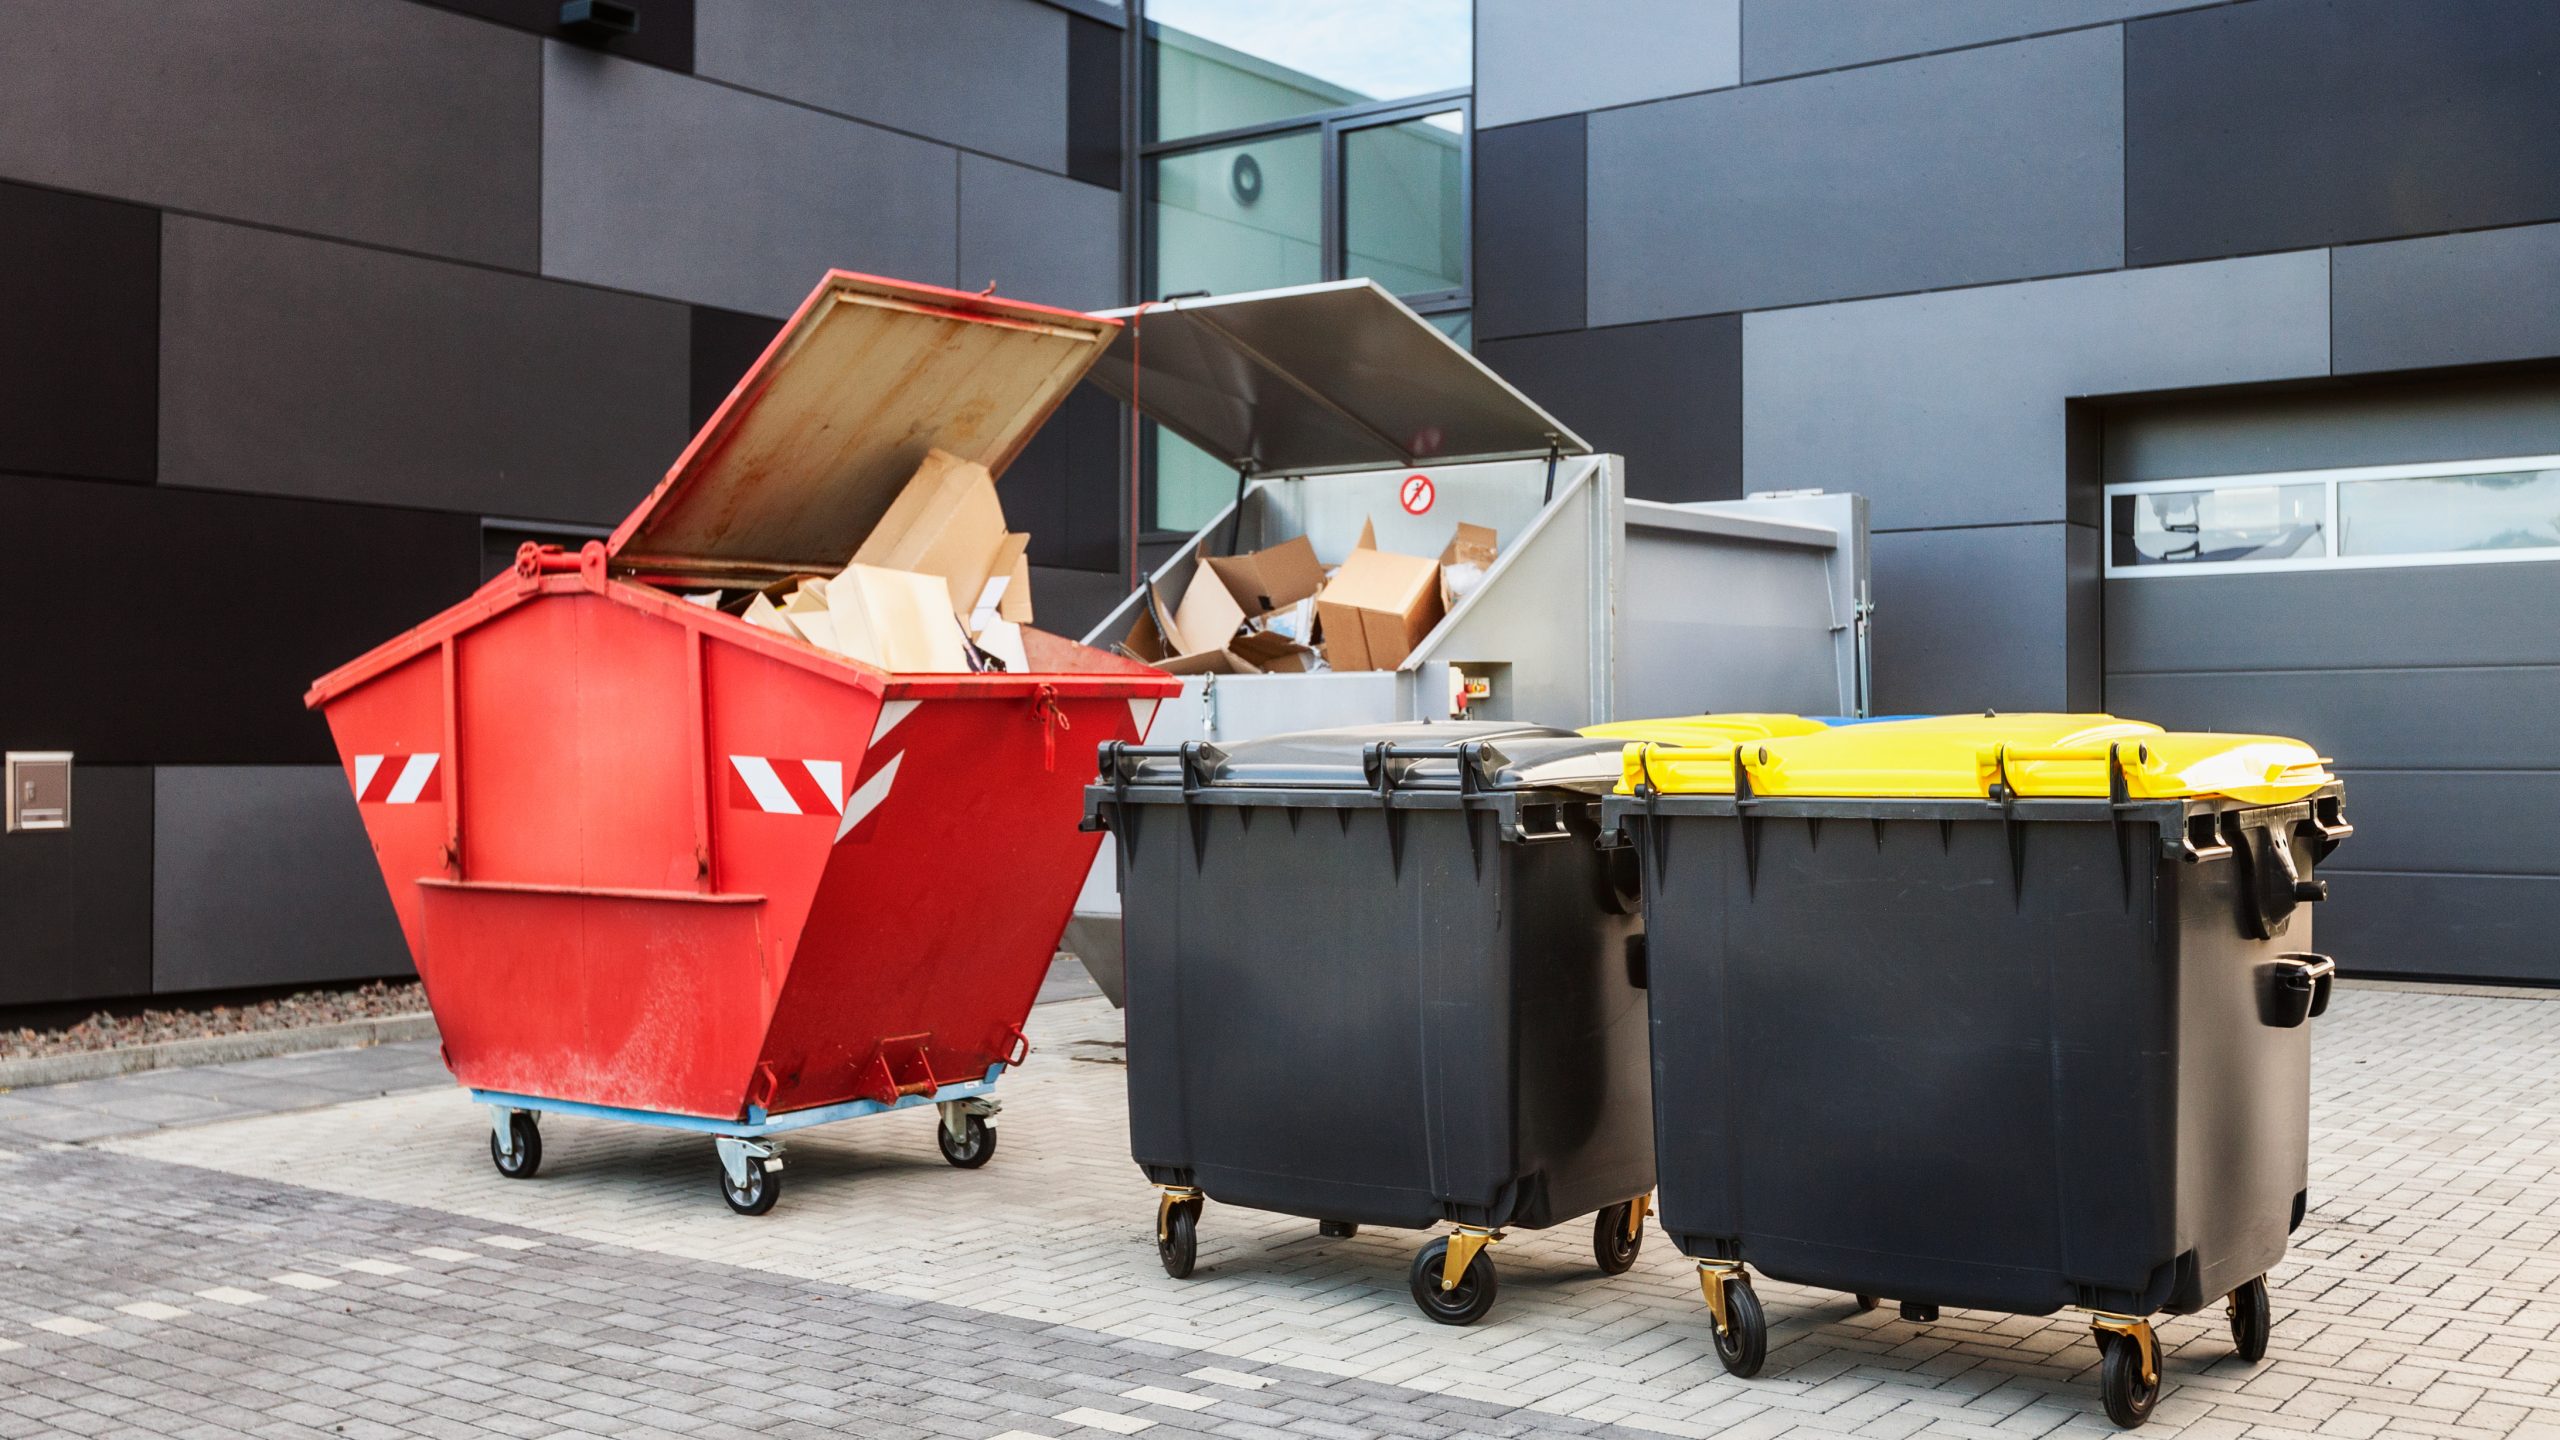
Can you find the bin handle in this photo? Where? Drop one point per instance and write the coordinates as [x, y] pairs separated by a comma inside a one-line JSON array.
[[1991, 767]]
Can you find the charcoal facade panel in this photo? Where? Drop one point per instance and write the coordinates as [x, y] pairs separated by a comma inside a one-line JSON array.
[[303, 367], [394, 124], [79, 335], [1666, 396], [985, 75], [1096, 91], [1536, 58], [2476, 927], [75, 904], [724, 344], [1038, 237], [1987, 165], [2447, 300], [663, 184], [1529, 228], [1797, 37], [664, 36], [2281, 124], [1995, 617], [263, 876]]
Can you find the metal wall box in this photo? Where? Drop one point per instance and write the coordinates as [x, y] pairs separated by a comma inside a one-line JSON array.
[[39, 790]]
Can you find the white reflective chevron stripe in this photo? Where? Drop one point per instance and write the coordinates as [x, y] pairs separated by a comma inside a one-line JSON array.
[[1144, 712], [772, 796], [366, 765], [891, 712], [829, 775], [413, 778], [862, 802]]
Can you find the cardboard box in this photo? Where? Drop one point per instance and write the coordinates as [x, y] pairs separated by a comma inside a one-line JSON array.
[[1007, 595], [1154, 640], [1376, 608], [946, 522], [1201, 635], [899, 620], [1464, 563]]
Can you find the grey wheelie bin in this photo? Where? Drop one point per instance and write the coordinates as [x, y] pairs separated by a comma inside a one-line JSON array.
[[2003, 1012], [1384, 976]]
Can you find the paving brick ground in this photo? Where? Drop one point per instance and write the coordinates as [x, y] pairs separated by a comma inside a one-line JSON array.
[[889, 1295]]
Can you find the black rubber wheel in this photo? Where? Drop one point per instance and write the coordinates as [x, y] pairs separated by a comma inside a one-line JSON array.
[[1179, 1246], [1463, 1304], [2129, 1401], [972, 1152], [2251, 1322], [1744, 1345], [763, 1187], [1866, 1303], [527, 1134], [1612, 1247]]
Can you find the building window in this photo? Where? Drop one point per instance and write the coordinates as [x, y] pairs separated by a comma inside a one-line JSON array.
[[1287, 142], [2463, 512]]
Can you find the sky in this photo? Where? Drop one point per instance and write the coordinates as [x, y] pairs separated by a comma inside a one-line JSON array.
[[1381, 48]]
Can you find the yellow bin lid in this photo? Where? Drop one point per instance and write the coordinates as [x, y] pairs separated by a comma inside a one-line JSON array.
[[1705, 729], [2040, 755]]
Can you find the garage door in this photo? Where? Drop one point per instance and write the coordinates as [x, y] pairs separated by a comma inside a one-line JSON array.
[[2405, 618]]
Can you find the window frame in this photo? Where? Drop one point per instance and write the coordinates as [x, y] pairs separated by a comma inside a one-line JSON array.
[[2331, 480]]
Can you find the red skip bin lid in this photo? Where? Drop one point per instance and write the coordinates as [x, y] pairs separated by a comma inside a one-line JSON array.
[[804, 457]]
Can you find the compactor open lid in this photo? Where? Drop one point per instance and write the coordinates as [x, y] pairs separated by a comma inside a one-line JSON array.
[[1320, 378], [800, 462]]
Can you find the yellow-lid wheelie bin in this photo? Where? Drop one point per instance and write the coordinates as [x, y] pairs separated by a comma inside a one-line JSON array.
[[1999, 1011]]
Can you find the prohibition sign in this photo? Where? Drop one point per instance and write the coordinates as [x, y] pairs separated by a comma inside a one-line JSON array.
[[1417, 494]]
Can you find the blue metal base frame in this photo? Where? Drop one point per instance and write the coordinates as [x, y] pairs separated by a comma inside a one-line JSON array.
[[758, 1122]]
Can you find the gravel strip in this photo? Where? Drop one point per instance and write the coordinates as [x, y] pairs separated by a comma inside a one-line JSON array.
[[102, 1031]]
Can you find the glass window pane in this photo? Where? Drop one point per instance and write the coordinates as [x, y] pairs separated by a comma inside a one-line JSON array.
[[1218, 64], [2247, 522], [1237, 217], [2449, 514], [1404, 219], [1458, 325], [1191, 488]]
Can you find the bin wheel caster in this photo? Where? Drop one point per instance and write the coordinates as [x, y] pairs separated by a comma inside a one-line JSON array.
[[1462, 1304], [1617, 1234], [1866, 1303], [1178, 1238], [976, 1150], [525, 1137], [2250, 1322], [1336, 1229], [1743, 1343], [756, 1196], [2129, 1397]]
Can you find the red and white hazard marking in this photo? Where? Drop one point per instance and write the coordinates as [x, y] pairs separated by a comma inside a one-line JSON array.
[[1417, 494], [398, 779], [786, 787]]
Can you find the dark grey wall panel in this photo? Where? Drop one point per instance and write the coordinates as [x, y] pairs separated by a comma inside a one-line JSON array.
[[989, 75], [1667, 396], [1529, 228], [79, 334], [2456, 821], [1949, 408], [1094, 96], [1065, 488], [264, 877], [193, 640], [1792, 37], [1968, 620], [75, 905], [1039, 237], [2363, 422], [667, 185], [1536, 58], [665, 36], [2281, 124], [2447, 300], [2467, 717], [1986, 165], [391, 123], [303, 367], [2328, 619], [1074, 601], [2447, 927], [725, 343]]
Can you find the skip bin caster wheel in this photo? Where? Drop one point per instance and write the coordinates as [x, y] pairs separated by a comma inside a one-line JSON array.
[[2251, 1323], [1617, 1234], [750, 1175], [2129, 1376], [1178, 1231], [1466, 1301], [974, 1146], [519, 1155], [1742, 1327]]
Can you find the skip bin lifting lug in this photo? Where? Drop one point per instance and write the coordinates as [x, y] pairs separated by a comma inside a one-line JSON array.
[[2136, 1329], [1465, 1243]]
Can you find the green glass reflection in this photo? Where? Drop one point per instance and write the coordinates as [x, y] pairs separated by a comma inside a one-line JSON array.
[[1237, 217], [1404, 205]]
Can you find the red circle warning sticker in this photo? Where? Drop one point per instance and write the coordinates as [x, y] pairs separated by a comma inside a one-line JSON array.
[[1417, 495]]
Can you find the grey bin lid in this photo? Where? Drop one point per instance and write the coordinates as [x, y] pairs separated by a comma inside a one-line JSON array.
[[1536, 756], [1320, 378]]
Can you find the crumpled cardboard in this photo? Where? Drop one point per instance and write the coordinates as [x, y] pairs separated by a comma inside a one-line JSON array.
[[945, 522]]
